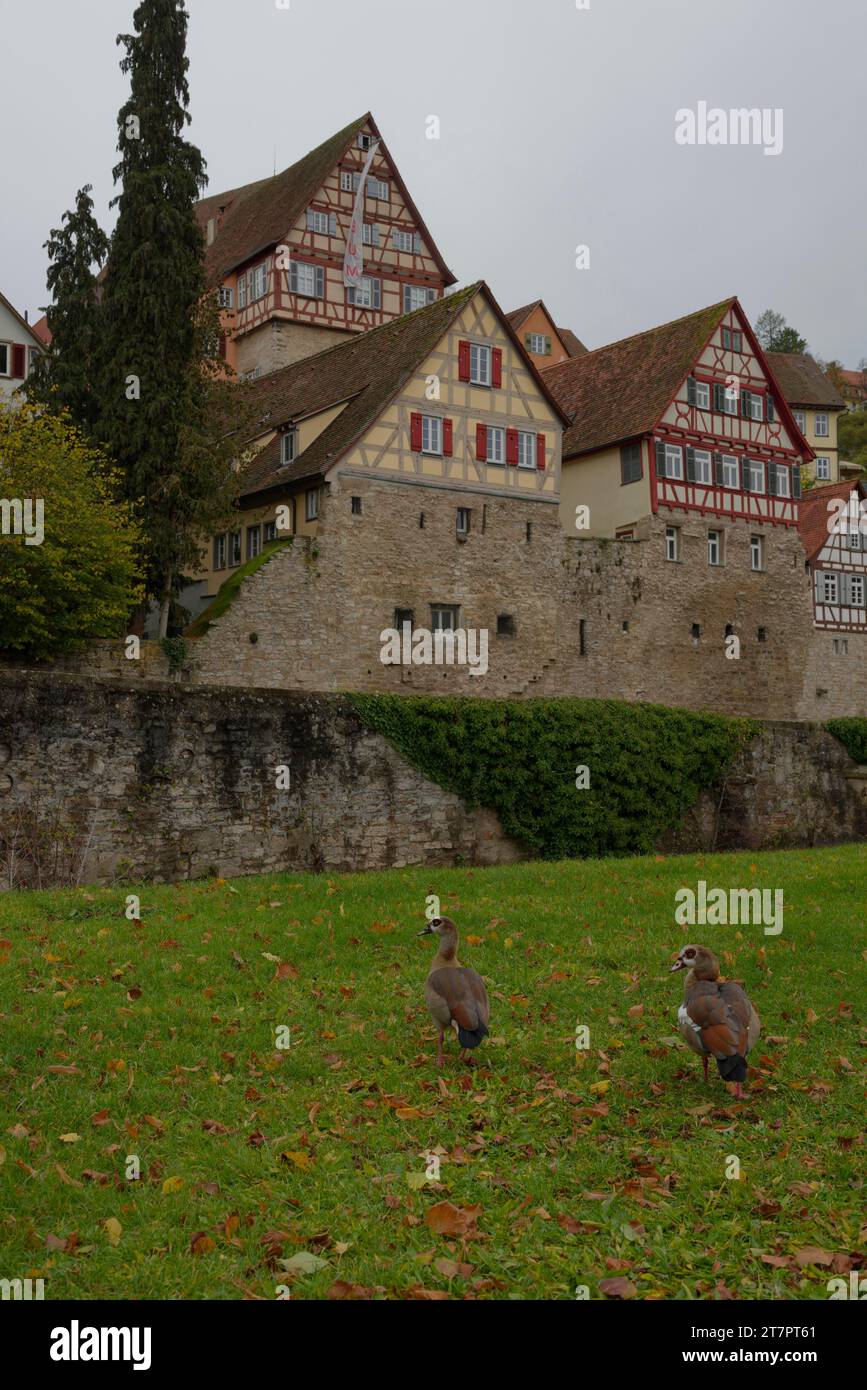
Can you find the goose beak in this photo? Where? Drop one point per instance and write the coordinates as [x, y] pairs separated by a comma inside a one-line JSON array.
[[428, 931], [678, 965]]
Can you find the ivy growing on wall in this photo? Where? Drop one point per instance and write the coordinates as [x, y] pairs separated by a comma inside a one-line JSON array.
[[646, 764], [852, 733]]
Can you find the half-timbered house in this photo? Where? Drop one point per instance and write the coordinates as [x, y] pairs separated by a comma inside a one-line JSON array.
[[833, 527], [275, 253], [684, 421]]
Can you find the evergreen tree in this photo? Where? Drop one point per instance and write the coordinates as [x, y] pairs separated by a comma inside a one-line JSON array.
[[775, 335], [156, 393], [62, 378]]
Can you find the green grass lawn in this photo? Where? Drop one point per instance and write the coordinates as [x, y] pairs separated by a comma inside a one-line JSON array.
[[157, 1039]]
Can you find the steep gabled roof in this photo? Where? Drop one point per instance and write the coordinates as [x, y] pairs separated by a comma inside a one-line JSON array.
[[42, 331], [259, 215], [367, 372], [517, 317], [813, 513], [802, 380], [28, 327], [622, 390]]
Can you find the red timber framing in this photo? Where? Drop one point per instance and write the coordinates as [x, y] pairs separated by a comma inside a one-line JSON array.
[[737, 435]]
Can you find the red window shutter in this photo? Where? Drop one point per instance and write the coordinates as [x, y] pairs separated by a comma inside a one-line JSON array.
[[18, 360], [497, 367], [540, 452], [464, 361], [448, 444], [512, 448], [415, 433], [482, 443]]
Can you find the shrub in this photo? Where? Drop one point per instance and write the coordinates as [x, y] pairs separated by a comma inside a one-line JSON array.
[[647, 764], [852, 733]]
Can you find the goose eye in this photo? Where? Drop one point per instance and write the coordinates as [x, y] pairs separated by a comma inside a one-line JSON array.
[[689, 955]]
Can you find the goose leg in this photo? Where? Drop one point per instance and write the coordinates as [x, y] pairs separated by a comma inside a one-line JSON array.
[[704, 1064]]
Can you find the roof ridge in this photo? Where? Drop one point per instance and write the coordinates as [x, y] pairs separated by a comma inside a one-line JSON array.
[[458, 295], [657, 328]]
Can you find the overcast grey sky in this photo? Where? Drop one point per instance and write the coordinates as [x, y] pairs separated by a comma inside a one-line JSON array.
[[557, 129]]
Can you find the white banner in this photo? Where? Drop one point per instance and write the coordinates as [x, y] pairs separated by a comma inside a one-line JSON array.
[[353, 261]]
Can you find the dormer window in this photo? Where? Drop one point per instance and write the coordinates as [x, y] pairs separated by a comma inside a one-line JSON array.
[[288, 447], [364, 142], [732, 341]]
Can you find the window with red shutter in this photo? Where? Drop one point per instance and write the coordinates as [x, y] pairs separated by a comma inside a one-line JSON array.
[[482, 443], [18, 360], [464, 361], [512, 448], [497, 367], [448, 437], [415, 433], [540, 452]]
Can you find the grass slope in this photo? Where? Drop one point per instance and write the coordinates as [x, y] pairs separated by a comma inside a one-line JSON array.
[[158, 1040]]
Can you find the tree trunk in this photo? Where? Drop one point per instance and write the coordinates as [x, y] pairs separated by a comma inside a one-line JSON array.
[[165, 607]]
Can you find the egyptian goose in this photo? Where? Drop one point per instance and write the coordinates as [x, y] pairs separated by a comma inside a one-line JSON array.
[[455, 996], [716, 1019]]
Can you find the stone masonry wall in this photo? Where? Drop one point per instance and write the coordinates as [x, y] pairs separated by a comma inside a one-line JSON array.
[[103, 782]]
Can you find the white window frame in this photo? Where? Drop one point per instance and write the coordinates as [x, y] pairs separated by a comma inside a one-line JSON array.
[[757, 552], [825, 431], [757, 406], [411, 292], [463, 521], [674, 456], [432, 435], [672, 543], [258, 282], [288, 447], [254, 540], [370, 233], [367, 294], [318, 222], [702, 395], [495, 447], [800, 420], [402, 240], [755, 468], [235, 548], [853, 538], [783, 484], [703, 457], [305, 271], [856, 591], [445, 617], [823, 468], [526, 449], [242, 291], [731, 466], [311, 505], [714, 547], [538, 343], [220, 551], [731, 400], [481, 364], [226, 297], [828, 585]]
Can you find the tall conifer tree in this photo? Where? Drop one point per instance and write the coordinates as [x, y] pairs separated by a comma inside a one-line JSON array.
[[62, 378], [159, 329]]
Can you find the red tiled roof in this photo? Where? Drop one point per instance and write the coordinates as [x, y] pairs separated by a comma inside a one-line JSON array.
[[517, 316], [802, 381], [367, 371], [573, 345], [259, 215], [621, 391], [813, 513], [41, 329], [857, 381]]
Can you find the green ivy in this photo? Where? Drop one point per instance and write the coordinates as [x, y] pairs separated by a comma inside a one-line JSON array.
[[852, 733], [176, 650], [647, 763]]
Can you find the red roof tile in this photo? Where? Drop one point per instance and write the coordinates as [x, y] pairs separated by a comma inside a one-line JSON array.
[[802, 381], [813, 513], [621, 391]]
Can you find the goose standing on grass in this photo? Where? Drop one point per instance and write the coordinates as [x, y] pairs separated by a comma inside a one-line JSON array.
[[455, 996], [716, 1019]]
